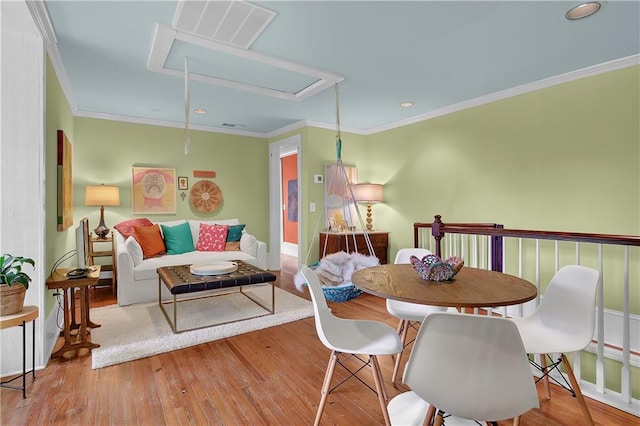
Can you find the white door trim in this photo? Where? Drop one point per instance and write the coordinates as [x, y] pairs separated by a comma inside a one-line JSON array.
[[276, 149]]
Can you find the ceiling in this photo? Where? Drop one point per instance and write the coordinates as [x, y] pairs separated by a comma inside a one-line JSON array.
[[125, 60]]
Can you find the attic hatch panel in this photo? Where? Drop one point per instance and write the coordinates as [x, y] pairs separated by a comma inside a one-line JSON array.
[[223, 65]]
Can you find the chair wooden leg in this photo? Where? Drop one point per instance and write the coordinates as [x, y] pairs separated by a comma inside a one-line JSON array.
[[439, 421], [380, 377], [402, 332], [398, 331], [400, 326], [431, 411], [382, 393], [576, 389], [545, 380], [326, 385]]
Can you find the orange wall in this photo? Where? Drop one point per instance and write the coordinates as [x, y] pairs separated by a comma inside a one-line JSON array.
[[290, 177]]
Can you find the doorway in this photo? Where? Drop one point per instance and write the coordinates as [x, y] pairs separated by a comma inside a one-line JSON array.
[[284, 193]]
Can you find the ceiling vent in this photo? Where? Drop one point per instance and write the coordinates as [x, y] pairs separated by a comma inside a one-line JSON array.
[[236, 23], [213, 32]]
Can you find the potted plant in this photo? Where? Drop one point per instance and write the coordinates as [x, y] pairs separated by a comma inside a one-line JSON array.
[[12, 296]]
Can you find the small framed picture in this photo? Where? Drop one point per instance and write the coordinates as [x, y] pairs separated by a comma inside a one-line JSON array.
[[183, 182]]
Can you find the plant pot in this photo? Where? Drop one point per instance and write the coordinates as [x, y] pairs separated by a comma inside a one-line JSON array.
[[11, 299]]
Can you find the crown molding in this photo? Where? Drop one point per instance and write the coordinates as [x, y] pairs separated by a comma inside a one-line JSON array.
[[309, 123], [288, 128], [162, 123]]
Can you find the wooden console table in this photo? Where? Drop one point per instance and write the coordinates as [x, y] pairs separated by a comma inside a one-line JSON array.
[[28, 313], [344, 241], [59, 281]]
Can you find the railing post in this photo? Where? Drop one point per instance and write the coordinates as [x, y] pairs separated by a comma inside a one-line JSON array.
[[437, 230], [496, 250]]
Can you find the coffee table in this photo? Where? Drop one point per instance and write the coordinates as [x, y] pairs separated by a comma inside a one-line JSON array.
[[180, 281]]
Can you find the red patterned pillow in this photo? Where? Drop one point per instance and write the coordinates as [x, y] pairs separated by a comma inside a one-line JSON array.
[[212, 237], [126, 228]]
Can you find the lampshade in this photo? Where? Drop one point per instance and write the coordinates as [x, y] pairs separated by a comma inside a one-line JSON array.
[[368, 192], [102, 195]]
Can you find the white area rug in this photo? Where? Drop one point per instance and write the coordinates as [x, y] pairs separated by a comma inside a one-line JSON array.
[[138, 331]]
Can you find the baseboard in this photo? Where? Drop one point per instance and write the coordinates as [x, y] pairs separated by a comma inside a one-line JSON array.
[[51, 333]]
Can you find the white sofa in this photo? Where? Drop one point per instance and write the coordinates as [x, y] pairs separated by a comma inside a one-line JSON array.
[[138, 279]]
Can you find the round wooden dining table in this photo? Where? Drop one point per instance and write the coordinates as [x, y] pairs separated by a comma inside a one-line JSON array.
[[470, 288]]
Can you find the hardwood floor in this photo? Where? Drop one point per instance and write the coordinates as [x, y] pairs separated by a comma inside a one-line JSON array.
[[271, 376]]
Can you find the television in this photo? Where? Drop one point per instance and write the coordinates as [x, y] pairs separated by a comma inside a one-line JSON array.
[[82, 250]]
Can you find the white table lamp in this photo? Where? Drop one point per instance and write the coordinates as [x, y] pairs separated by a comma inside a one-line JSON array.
[[368, 193]]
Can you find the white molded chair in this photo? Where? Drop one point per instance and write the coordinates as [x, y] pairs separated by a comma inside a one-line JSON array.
[[409, 313], [350, 336], [470, 367], [564, 321]]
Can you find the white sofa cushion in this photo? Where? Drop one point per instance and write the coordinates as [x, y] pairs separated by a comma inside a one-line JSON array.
[[248, 242], [134, 249], [147, 269]]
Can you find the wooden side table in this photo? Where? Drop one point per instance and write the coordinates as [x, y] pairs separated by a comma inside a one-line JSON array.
[[28, 313], [104, 252], [59, 281], [355, 241]]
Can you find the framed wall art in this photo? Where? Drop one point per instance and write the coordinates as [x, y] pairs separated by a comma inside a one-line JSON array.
[[292, 200], [183, 183], [153, 190], [65, 183]]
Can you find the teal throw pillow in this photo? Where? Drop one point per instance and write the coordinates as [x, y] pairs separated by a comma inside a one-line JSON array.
[[235, 233], [178, 238]]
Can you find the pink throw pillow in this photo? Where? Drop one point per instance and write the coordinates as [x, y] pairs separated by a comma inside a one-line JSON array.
[[212, 237]]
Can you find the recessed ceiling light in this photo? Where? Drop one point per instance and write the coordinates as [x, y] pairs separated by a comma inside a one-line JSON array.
[[406, 104], [583, 10], [200, 111]]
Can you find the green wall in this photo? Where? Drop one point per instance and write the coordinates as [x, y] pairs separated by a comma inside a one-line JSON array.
[[58, 117], [565, 158], [105, 151]]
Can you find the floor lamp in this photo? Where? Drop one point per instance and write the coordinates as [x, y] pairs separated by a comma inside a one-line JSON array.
[[102, 195], [368, 193]]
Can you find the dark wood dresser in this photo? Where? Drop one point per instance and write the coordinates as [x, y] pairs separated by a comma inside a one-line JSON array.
[[339, 241]]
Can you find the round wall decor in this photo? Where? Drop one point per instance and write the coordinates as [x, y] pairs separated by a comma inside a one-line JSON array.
[[205, 196]]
